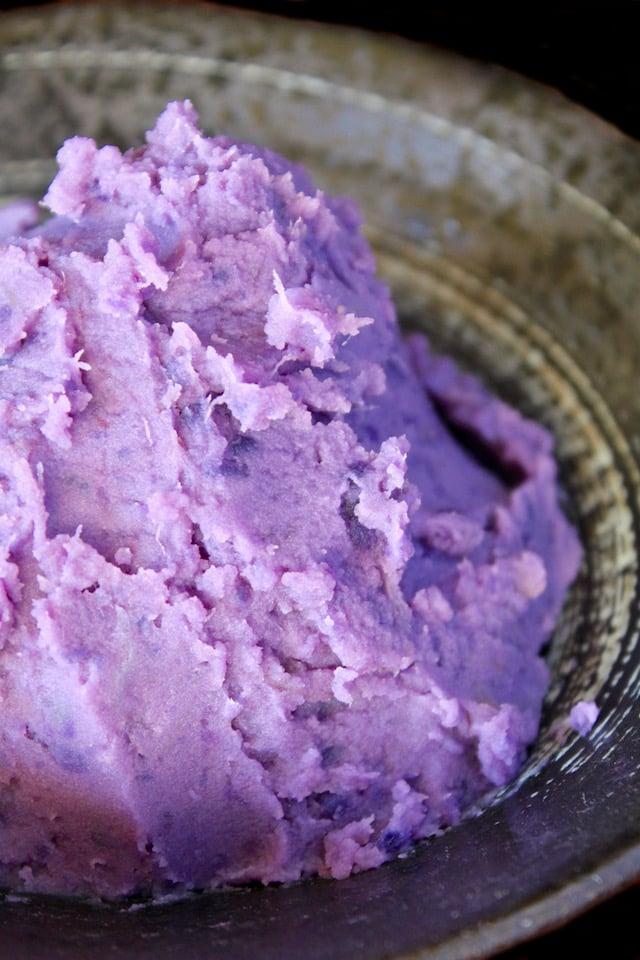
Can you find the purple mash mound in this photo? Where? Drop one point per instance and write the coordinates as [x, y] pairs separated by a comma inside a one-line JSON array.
[[273, 582]]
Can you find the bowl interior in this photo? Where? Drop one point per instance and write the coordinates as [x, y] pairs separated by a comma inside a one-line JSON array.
[[512, 245]]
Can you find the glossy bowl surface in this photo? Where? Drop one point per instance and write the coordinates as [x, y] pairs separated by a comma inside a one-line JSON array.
[[506, 221]]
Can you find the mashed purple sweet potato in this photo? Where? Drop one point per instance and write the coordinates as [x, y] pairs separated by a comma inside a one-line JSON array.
[[273, 581]]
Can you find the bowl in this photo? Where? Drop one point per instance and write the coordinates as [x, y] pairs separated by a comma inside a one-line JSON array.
[[506, 221]]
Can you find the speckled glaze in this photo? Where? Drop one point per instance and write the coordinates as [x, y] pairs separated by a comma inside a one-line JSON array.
[[506, 221]]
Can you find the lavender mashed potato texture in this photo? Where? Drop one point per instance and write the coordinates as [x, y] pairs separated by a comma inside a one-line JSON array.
[[273, 582]]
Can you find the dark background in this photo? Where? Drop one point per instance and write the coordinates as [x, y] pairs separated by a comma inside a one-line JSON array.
[[591, 52]]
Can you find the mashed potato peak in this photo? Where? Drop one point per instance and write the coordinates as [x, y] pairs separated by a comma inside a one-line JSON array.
[[273, 581]]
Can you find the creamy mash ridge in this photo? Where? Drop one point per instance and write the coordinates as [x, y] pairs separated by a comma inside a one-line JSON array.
[[264, 610]]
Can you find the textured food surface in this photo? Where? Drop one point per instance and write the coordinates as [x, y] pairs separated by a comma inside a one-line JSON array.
[[273, 581]]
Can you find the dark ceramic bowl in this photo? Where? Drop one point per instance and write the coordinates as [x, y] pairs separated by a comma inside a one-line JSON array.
[[506, 221]]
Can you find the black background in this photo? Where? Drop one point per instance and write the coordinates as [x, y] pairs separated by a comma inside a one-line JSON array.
[[591, 52]]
